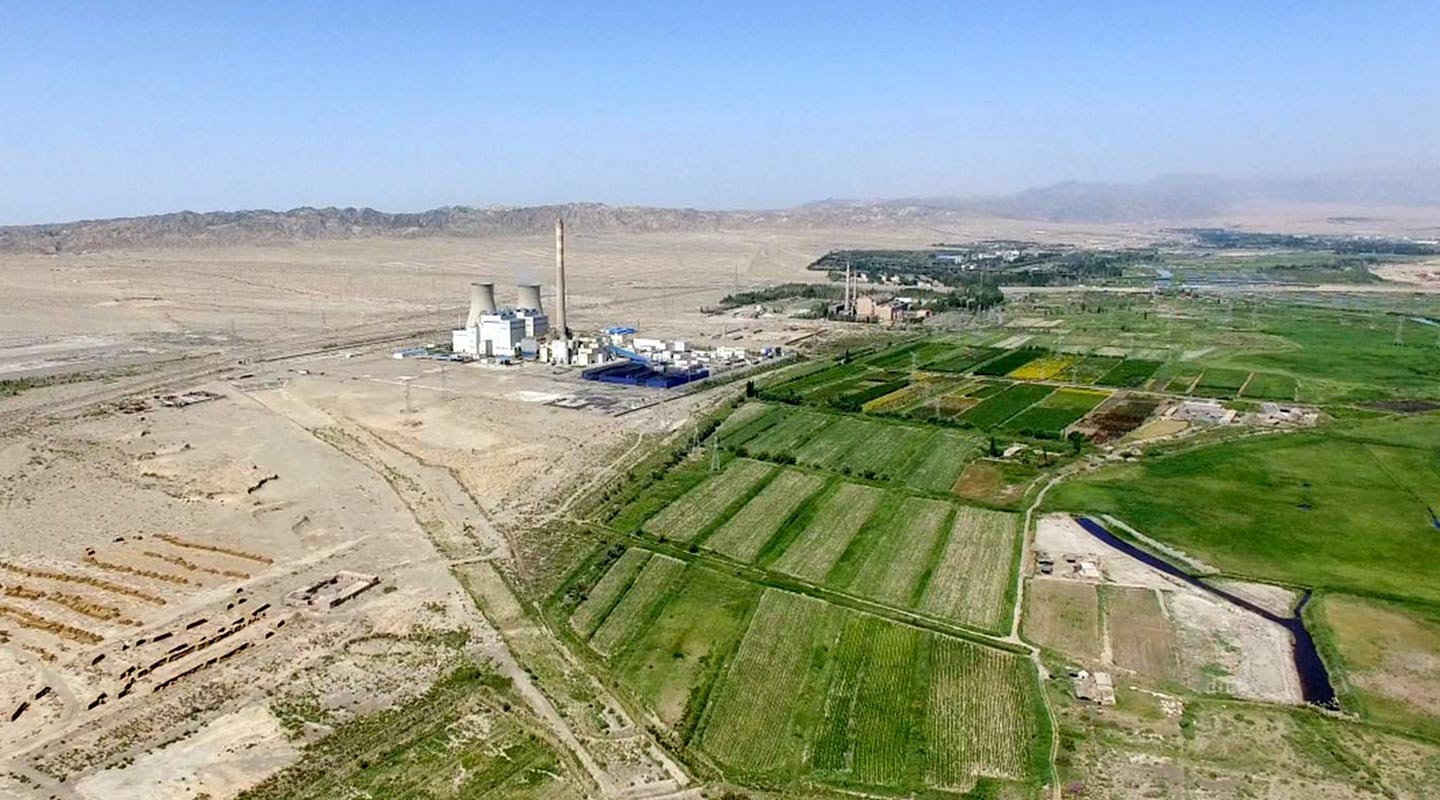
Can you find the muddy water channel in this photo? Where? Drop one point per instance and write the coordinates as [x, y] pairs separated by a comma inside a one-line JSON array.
[[1315, 684]]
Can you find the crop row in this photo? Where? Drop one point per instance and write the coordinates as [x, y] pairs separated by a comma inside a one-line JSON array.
[[853, 700]]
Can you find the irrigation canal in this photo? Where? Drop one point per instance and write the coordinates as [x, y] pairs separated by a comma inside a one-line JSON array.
[[1315, 684]]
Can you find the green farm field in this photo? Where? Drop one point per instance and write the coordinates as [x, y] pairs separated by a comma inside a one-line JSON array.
[[823, 693], [996, 409], [1056, 412], [1348, 508]]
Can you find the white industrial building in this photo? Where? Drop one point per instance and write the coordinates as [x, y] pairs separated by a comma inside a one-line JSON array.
[[496, 334]]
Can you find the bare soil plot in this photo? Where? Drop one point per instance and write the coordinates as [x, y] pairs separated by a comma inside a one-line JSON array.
[[1116, 417], [900, 562], [744, 535], [702, 506], [1064, 616], [993, 482], [1140, 634], [970, 581], [835, 524]]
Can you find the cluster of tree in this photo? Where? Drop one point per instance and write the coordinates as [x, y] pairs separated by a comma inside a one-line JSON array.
[[1028, 267], [784, 291], [1348, 245]]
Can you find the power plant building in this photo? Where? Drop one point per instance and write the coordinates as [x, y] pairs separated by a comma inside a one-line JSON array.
[[497, 334]]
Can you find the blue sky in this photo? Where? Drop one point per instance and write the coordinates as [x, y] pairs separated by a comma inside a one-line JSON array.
[[133, 108]]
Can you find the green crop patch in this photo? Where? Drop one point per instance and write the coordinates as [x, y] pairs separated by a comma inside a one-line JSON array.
[[702, 506], [786, 436], [981, 715], [835, 523], [865, 736], [745, 534], [827, 449], [1346, 509], [673, 663], [1221, 382], [885, 451], [970, 582], [749, 421], [1089, 369], [1010, 361], [1270, 386], [962, 360], [896, 567], [1055, 413], [836, 696], [755, 724], [944, 458], [996, 409], [1131, 373], [607, 591], [806, 383], [629, 616]]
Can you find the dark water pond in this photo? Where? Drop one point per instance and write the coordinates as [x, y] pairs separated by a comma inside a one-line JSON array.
[[1315, 683]]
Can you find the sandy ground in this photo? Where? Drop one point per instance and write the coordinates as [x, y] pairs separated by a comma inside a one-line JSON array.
[[347, 461], [1222, 648]]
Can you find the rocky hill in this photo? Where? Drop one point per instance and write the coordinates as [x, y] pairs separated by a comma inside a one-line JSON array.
[[1171, 199]]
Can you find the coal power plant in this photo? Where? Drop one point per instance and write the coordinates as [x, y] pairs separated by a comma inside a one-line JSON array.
[[524, 332]]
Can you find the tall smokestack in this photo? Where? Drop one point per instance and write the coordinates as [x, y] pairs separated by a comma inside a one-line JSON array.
[[560, 278], [482, 301], [529, 296]]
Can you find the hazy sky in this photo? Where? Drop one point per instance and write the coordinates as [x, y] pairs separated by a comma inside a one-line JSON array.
[[130, 108]]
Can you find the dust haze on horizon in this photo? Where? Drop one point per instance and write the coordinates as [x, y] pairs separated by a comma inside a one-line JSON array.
[[129, 112]]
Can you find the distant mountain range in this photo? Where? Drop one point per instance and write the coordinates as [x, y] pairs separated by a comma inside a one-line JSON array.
[[1168, 199]]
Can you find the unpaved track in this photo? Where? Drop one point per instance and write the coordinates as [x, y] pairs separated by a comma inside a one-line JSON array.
[[417, 484]]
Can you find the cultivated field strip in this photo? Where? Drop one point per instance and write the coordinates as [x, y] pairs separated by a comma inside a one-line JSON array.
[[672, 663], [827, 449], [751, 713], [830, 531], [659, 574], [980, 717], [746, 422], [744, 535], [886, 450], [970, 581], [607, 591], [880, 727], [788, 434], [888, 706], [700, 507], [902, 558], [945, 458]]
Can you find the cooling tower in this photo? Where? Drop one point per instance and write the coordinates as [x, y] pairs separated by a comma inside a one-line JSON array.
[[529, 296], [482, 301]]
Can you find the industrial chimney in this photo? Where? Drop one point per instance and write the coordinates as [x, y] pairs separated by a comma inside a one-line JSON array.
[[482, 301], [529, 296], [560, 278]]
